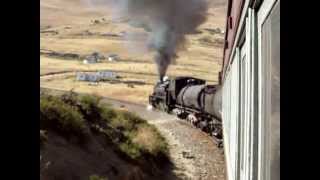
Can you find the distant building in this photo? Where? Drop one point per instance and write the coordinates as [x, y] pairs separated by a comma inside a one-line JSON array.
[[113, 57], [107, 75], [85, 61], [93, 58], [122, 33], [96, 77], [87, 77]]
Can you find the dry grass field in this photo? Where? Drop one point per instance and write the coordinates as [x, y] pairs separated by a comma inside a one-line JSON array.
[[68, 27]]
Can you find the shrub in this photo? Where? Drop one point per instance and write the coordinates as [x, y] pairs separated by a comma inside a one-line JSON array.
[[140, 137], [107, 113], [70, 98], [88, 101], [133, 150], [89, 107], [126, 121], [96, 177], [43, 137], [56, 114], [148, 137], [131, 135]]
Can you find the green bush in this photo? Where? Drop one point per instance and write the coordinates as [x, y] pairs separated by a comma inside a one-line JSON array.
[[89, 107], [141, 137], [43, 137], [107, 113], [133, 150], [126, 121], [89, 101], [71, 114], [159, 142], [70, 98], [56, 114], [96, 177]]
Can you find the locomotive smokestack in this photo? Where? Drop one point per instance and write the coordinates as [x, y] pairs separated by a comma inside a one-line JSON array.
[[163, 60], [167, 23]]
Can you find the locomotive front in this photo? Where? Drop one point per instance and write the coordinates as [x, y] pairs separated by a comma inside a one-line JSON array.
[[159, 97]]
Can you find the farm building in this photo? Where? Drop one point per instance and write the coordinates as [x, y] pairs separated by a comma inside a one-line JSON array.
[[113, 57], [96, 77], [93, 58]]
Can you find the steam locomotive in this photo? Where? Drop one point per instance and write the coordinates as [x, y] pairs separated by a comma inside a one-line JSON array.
[[191, 99]]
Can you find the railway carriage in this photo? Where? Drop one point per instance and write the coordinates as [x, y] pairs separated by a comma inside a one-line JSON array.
[[250, 80]]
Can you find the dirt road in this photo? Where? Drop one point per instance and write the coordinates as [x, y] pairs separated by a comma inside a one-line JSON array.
[[193, 153]]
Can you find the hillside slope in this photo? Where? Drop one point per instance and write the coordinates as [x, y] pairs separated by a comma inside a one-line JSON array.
[[80, 137]]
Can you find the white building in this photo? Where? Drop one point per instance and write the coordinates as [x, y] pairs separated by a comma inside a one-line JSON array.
[[113, 57], [93, 58]]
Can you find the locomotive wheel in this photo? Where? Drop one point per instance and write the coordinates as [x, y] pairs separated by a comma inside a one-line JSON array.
[[182, 115], [164, 107], [169, 110], [193, 119]]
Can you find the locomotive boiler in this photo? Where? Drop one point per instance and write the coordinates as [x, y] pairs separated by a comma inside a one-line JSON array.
[[191, 99]]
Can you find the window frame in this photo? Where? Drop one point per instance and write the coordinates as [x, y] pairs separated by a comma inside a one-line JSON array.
[[231, 100], [263, 163]]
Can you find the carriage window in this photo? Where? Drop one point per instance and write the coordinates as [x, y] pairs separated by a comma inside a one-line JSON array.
[[271, 57], [243, 106]]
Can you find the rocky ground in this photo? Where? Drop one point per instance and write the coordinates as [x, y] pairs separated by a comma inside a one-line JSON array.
[[193, 152]]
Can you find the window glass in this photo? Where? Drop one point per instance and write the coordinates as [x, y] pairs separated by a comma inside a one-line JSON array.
[[242, 109], [271, 58]]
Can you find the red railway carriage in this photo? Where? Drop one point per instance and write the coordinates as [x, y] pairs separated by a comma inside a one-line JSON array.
[[250, 80]]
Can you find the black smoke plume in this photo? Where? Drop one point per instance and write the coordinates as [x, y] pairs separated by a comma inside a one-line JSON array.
[[167, 21]]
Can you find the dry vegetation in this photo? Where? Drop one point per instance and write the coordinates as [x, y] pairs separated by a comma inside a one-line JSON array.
[[86, 123], [68, 27], [70, 114]]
